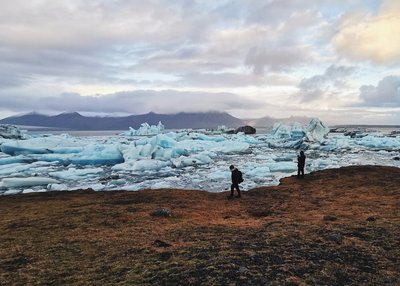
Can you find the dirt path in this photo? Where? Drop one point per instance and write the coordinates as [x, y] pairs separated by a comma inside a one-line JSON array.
[[335, 227]]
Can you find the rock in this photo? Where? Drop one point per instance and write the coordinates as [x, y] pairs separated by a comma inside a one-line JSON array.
[[329, 218], [243, 270], [396, 158], [164, 256], [161, 212], [335, 237], [246, 130], [371, 218], [161, 243]]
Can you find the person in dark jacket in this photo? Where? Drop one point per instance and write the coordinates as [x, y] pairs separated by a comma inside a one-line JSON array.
[[301, 162], [235, 180]]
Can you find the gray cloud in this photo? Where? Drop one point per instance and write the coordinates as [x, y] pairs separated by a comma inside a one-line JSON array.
[[112, 41], [385, 94], [131, 102], [278, 59], [236, 80], [319, 86]]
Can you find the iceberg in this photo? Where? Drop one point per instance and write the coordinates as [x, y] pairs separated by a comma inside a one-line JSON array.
[[12, 132], [57, 187], [145, 129], [192, 159], [63, 149], [376, 142], [296, 136], [316, 131], [293, 131], [26, 182], [61, 144], [75, 174]]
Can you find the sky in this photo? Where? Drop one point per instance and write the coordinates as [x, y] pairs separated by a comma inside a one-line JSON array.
[[338, 60]]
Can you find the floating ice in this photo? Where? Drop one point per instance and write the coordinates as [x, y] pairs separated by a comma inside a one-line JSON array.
[[62, 144], [145, 129], [372, 141], [11, 132], [26, 182], [293, 131], [57, 187], [76, 174], [64, 149], [316, 131], [183, 159]]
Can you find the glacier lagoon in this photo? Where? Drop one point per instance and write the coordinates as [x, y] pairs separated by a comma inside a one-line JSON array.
[[152, 157]]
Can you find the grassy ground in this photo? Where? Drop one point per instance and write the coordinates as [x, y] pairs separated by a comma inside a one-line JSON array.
[[270, 236]]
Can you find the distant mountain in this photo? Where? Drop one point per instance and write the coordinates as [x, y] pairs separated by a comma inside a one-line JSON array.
[[76, 121], [270, 121]]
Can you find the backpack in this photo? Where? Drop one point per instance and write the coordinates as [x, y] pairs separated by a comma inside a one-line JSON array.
[[240, 175]]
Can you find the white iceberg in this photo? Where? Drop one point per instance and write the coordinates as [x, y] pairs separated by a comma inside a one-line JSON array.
[[76, 174], [376, 142], [145, 129], [316, 131], [26, 182], [12, 132]]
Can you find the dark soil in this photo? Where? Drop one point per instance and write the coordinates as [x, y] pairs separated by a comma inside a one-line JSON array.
[[271, 236]]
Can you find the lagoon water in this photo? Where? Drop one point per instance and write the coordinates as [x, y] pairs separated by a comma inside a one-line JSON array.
[[188, 159]]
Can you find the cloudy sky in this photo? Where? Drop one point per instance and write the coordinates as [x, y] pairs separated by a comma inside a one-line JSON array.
[[338, 60]]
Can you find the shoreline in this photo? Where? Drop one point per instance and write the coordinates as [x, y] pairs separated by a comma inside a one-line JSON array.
[[228, 182]]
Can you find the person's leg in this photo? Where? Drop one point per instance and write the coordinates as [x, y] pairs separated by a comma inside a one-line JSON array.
[[298, 172], [232, 188], [302, 173], [238, 190]]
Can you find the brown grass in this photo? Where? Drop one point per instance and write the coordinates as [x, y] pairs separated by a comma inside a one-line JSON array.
[[271, 236]]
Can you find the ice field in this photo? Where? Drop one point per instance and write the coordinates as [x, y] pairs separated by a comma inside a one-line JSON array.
[[152, 157]]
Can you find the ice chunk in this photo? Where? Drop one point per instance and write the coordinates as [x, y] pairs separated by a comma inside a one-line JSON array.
[[141, 165], [163, 141], [293, 131], [161, 185], [76, 174], [258, 172], [200, 136], [145, 129], [219, 175], [57, 187], [26, 182], [62, 148], [97, 155], [61, 144], [286, 167], [12, 192], [231, 147], [11, 132], [333, 144], [376, 142], [13, 160], [316, 131], [191, 161], [20, 168]]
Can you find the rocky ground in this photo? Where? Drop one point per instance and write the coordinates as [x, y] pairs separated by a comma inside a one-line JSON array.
[[335, 227]]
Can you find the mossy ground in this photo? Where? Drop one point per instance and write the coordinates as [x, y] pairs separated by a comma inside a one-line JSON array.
[[270, 236]]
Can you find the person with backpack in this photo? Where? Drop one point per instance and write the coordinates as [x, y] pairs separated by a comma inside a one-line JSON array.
[[237, 178]]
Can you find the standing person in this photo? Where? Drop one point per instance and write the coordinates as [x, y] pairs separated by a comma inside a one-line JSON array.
[[301, 162], [236, 180]]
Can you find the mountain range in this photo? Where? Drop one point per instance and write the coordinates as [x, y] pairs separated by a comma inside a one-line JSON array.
[[76, 121]]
